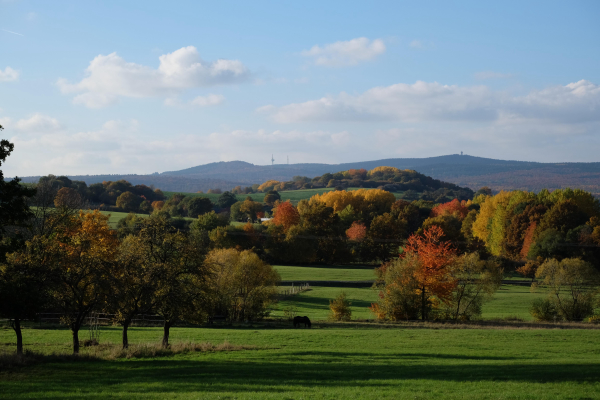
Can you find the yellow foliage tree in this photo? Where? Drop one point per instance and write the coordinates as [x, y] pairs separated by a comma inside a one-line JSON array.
[[83, 250]]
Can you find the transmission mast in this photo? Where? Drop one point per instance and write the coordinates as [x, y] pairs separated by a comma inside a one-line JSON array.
[[272, 159]]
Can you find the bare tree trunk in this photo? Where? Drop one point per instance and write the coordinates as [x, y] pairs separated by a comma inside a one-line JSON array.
[[75, 333], [125, 339], [16, 325], [166, 328]]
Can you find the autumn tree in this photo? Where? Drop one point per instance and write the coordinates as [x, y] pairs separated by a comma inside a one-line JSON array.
[[241, 285], [157, 205], [399, 296], [340, 308], [433, 275], [357, 231], [83, 254], [68, 197], [250, 208], [286, 215], [455, 208], [529, 269]]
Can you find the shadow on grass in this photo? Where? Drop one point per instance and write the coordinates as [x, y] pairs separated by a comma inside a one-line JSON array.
[[274, 373], [323, 302]]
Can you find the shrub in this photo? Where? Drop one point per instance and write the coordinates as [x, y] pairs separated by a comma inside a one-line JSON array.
[[340, 308], [544, 310], [594, 319]]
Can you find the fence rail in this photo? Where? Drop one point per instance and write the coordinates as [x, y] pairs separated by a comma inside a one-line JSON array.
[[293, 290]]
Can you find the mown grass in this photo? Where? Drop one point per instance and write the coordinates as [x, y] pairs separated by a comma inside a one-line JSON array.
[[325, 362], [324, 273], [315, 302], [115, 217], [509, 302]]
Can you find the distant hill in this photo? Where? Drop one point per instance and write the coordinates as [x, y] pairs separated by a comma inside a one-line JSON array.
[[463, 170]]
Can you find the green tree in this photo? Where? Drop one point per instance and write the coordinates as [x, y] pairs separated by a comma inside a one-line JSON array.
[[129, 202], [271, 197], [572, 285], [476, 281], [179, 257], [242, 286], [198, 206], [25, 280], [209, 221], [133, 283], [14, 210], [226, 200], [21, 284]]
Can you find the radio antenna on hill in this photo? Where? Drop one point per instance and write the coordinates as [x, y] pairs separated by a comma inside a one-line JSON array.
[[272, 159]]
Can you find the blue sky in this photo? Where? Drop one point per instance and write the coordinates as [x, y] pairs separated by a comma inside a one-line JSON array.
[[143, 86]]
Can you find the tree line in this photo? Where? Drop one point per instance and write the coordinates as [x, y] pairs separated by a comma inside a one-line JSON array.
[[57, 258]]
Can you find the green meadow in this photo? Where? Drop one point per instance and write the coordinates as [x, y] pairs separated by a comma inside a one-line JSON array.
[[326, 362], [325, 273]]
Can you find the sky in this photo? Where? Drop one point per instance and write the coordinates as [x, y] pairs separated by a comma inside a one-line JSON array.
[[98, 87]]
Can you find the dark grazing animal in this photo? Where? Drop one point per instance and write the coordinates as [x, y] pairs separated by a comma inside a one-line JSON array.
[[302, 320]]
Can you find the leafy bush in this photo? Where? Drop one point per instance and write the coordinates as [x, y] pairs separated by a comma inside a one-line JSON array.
[[340, 308], [544, 310]]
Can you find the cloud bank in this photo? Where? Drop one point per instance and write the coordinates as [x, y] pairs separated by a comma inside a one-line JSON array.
[[431, 101], [110, 77]]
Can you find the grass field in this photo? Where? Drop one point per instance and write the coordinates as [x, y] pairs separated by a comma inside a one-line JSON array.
[[510, 301], [324, 273], [326, 363]]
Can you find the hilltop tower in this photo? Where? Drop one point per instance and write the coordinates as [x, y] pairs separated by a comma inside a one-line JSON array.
[[272, 159]]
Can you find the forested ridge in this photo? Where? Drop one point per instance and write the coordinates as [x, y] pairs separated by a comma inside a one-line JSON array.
[[463, 170]]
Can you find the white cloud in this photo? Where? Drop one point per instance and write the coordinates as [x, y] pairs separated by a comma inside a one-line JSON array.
[[37, 123], [9, 75], [345, 53], [210, 100], [426, 102], [416, 44], [486, 75], [111, 77]]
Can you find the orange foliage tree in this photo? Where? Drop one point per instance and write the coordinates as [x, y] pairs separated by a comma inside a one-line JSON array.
[[528, 239], [434, 257], [83, 253], [286, 215], [158, 205], [357, 231], [455, 207]]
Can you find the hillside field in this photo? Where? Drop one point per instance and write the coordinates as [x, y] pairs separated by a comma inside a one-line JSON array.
[[293, 195]]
